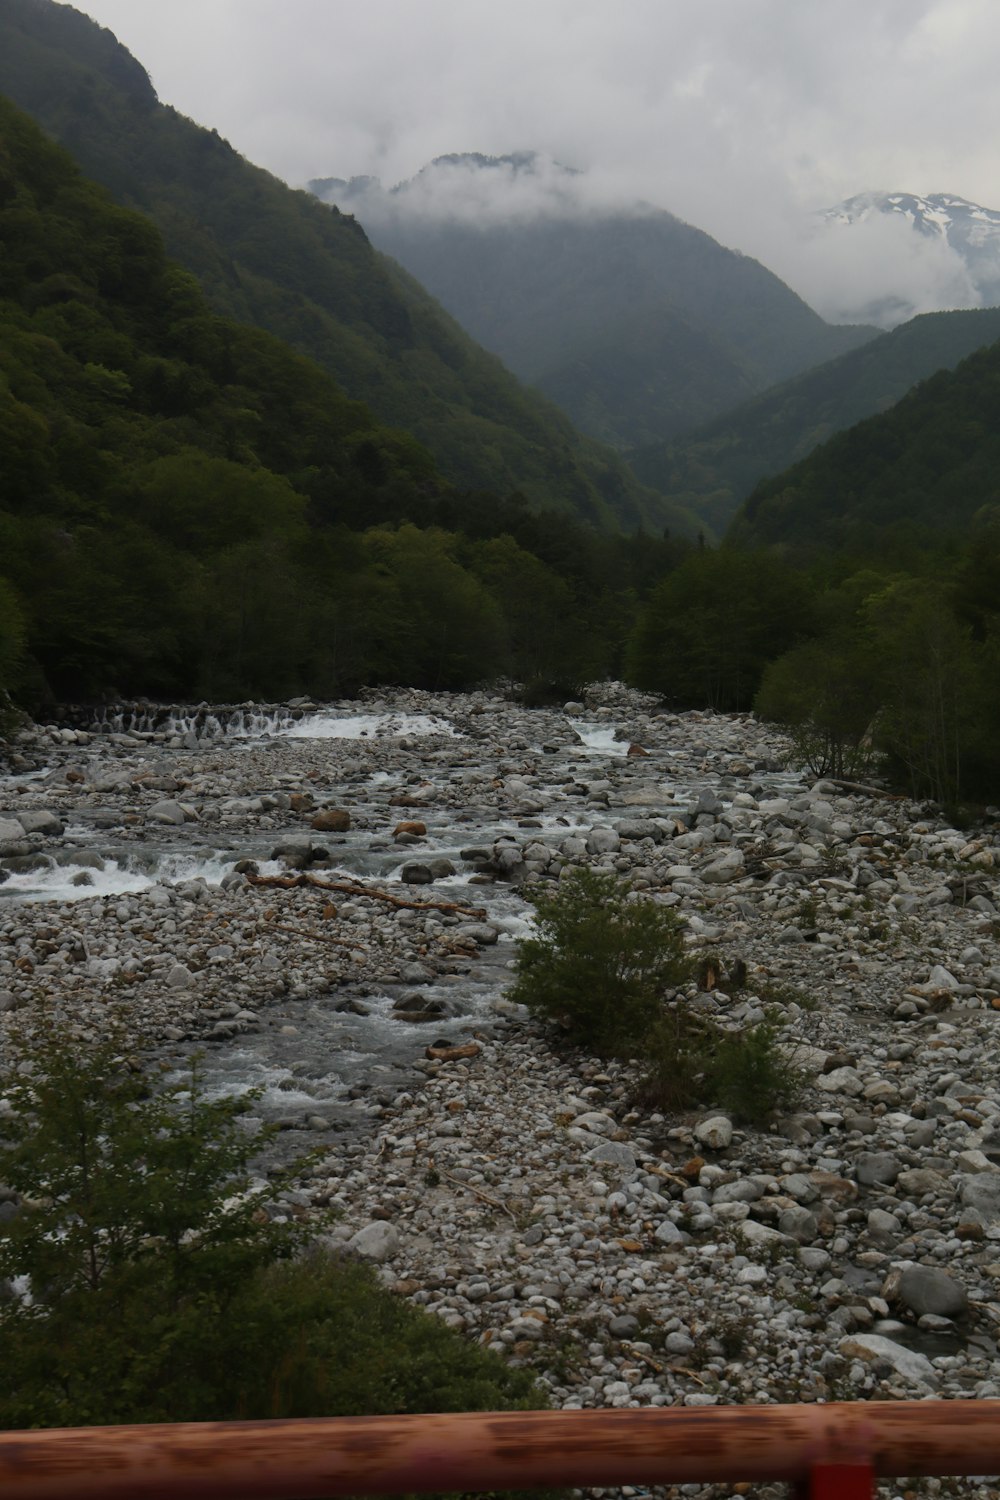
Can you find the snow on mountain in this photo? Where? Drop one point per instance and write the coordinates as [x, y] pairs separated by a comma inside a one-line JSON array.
[[955, 236]]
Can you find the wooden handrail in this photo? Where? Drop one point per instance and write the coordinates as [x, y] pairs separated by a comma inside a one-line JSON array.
[[300, 1460]]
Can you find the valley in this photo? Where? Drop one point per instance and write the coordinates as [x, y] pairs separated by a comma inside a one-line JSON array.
[[383, 566]]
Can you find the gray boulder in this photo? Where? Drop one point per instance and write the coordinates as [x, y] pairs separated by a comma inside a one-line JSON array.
[[876, 1166], [981, 1193], [40, 821], [378, 1241], [727, 867], [872, 1349], [613, 1154], [923, 1182], [925, 1289], [479, 932], [743, 1190], [166, 812], [639, 828], [716, 1132], [799, 1223]]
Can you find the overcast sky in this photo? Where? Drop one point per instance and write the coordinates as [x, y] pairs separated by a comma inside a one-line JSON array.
[[735, 114]]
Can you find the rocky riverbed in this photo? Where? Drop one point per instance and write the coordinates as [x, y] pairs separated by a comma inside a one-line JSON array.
[[319, 906]]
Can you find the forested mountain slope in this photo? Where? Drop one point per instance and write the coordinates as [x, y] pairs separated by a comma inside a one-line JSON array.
[[713, 470], [161, 469], [929, 463], [276, 258], [639, 325], [190, 509]]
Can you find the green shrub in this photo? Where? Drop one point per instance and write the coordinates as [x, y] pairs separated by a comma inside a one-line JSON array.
[[692, 1061], [752, 1075], [162, 1289], [125, 1186], [601, 963], [305, 1338], [677, 1061]]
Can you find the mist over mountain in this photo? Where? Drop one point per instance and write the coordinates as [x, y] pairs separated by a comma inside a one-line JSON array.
[[638, 325], [885, 257]]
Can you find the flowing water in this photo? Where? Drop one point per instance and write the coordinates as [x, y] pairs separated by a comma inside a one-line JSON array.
[[308, 1056]]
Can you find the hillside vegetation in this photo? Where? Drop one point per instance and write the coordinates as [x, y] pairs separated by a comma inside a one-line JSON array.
[[278, 259], [857, 599], [929, 462], [188, 508], [712, 471]]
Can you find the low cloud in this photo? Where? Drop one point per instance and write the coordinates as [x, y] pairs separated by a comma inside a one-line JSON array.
[[740, 116], [878, 270], [478, 189], [875, 270]]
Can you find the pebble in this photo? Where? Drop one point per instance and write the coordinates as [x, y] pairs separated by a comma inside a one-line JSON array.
[[629, 1258]]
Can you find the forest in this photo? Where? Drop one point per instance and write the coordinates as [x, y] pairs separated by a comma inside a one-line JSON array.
[[191, 510]]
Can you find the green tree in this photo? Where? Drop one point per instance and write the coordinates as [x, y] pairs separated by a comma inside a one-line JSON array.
[[11, 638], [153, 1284], [437, 626], [710, 628], [538, 610], [204, 504], [827, 693], [928, 688], [602, 962]]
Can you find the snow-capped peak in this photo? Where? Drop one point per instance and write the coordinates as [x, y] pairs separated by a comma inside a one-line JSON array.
[[958, 264], [967, 227]]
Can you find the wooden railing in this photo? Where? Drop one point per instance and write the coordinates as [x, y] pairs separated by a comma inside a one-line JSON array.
[[831, 1452]]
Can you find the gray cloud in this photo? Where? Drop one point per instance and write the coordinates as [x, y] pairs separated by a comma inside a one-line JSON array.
[[738, 115], [877, 271]]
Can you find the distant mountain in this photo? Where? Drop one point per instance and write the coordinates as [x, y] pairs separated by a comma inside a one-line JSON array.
[[276, 258], [928, 465], [944, 222], [637, 324], [713, 470]]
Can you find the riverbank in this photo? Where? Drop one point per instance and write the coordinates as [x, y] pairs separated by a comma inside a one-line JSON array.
[[848, 1251]]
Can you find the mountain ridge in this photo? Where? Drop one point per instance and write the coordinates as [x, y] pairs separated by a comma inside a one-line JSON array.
[[714, 469], [963, 235], [926, 465], [562, 285], [274, 257]]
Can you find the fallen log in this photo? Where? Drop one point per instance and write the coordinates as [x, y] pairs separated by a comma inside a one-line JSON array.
[[867, 791], [317, 937], [453, 1054], [476, 1192]]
